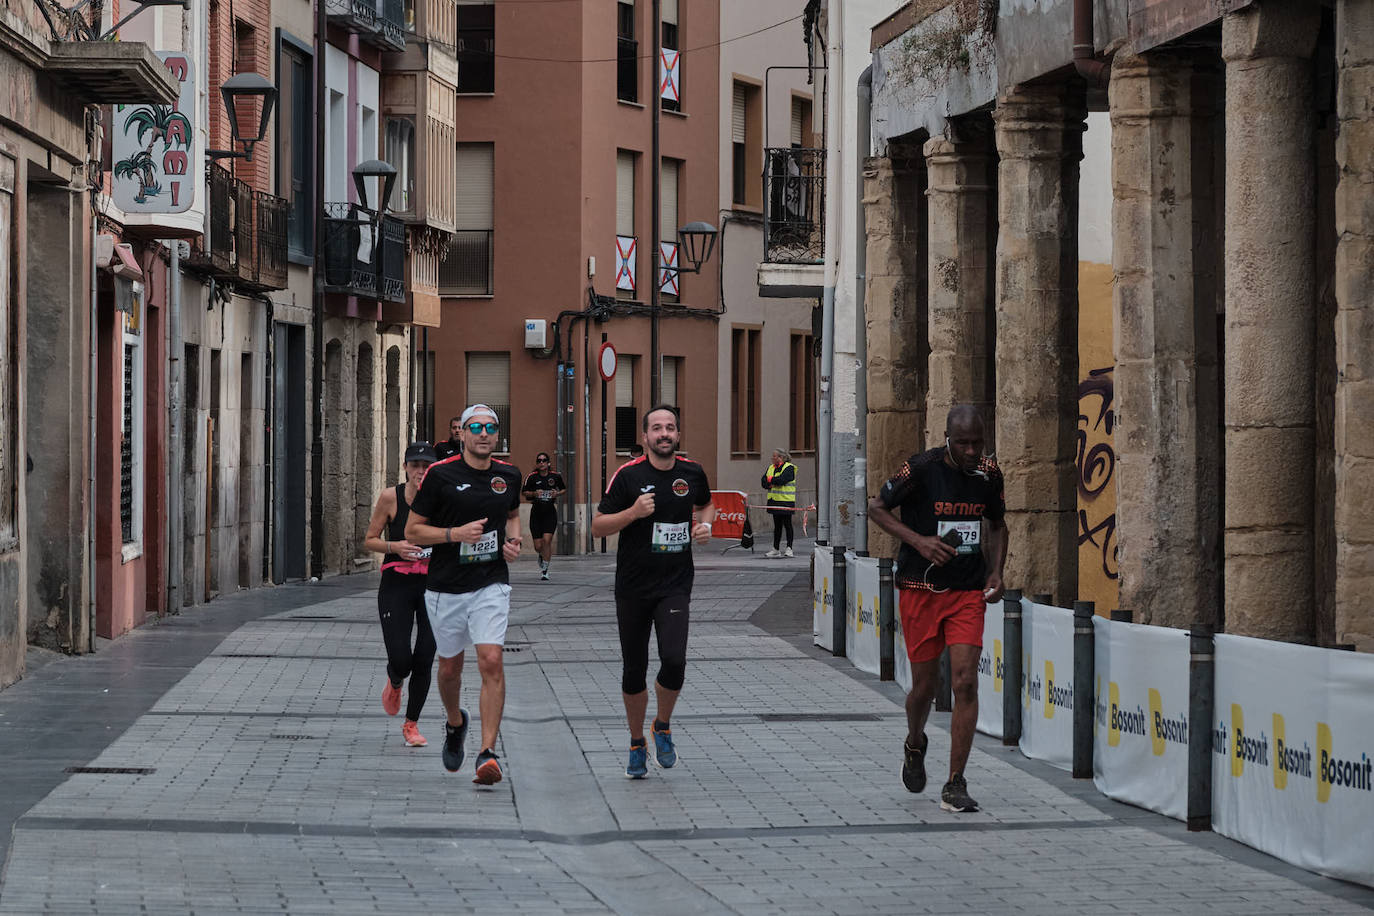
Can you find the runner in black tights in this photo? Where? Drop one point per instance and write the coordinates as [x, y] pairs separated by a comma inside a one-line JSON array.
[[401, 597]]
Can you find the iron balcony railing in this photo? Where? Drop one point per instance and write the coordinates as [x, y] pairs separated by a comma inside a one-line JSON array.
[[467, 267], [361, 257], [271, 242], [219, 247], [245, 254], [391, 25], [793, 206]]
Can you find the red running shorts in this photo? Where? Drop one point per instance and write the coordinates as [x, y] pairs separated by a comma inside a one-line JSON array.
[[933, 620]]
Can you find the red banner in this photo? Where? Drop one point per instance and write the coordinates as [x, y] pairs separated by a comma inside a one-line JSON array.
[[732, 508]]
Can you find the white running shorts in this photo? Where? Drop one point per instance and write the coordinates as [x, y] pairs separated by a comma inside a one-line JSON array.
[[468, 619]]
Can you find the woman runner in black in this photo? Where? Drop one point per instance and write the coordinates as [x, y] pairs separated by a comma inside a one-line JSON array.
[[401, 596], [651, 501]]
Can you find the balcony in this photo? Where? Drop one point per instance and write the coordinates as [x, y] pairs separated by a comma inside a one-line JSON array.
[[467, 268], [363, 258], [381, 23], [246, 244], [793, 223]]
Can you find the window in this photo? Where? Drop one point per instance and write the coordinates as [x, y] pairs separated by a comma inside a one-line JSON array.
[[626, 54], [627, 428], [489, 383], [671, 93], [802, 422], [9, 387], [467, 270], [625, 242], [400, 154], [667, 228], [745, 366], [746, 149], [424, 397], [131, 430], [295, 137], [669, 379], [476, 47], [799, 130]]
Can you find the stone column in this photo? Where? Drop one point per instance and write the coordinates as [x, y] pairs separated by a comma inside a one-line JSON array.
[[1355, 324], [959, 206], [894, 304], [1039, 131], [1270, 317], [1164, 300]]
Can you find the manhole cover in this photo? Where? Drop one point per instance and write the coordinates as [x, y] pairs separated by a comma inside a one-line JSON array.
[[298, 737]]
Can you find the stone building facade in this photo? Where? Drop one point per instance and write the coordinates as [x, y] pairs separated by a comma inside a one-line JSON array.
[[1241, 277]]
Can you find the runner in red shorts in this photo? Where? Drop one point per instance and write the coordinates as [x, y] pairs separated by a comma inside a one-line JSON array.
[[949, 510]]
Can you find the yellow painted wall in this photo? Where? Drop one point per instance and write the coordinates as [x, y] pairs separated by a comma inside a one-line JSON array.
[[1097, 571]]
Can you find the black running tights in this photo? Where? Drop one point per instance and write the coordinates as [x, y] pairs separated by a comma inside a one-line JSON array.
[[668, 618], [401, 604], [782, 521]]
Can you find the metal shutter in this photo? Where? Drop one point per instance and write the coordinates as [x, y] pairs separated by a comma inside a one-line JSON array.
[[489, 379], [668, 224], [668, 11], [474, 186], [737, 118], [798, 112], [625, 381], [624, 193], [667, 382]]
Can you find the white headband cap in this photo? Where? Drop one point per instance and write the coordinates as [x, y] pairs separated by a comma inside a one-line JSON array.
[[474, 410]]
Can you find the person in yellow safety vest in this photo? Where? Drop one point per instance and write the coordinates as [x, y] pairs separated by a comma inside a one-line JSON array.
[[780, 480]]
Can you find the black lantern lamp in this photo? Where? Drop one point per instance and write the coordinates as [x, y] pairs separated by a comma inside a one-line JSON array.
[[238, 90], [385, 173], [698, 240]]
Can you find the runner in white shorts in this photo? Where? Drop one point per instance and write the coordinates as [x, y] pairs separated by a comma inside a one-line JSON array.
[[468, 508]]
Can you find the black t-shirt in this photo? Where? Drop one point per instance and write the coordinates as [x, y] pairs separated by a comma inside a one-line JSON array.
[[934, 499], [447, 449], [545, 487], [654, 559], [453, 494]]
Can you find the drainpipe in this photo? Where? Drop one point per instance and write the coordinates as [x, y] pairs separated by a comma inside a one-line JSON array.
[[92, 389], [864, 108], [1085, 59], [174, 434], [833, 142]]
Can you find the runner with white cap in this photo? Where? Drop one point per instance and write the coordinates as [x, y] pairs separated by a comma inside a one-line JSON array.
[[468, 509]]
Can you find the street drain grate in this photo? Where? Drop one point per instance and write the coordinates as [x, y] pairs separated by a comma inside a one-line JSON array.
[[245, 655], [312, 617], [101, 771], [820, 717], [515, 647], [298, 737]]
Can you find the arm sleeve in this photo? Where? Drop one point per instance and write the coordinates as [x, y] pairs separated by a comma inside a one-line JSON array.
[[764, 481], [514, 500], [788, 475], [562, 484], [703, 490], [615, 499], [899, 487]]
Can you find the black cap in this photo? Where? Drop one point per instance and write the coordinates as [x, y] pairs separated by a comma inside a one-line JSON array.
[[421, 451]]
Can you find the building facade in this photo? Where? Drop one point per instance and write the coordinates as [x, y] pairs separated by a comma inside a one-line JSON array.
[[552, 238], [1230, 421]]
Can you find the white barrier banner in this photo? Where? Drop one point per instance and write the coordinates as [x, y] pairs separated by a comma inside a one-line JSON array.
[[862, 641], [1293, 753], [1047, 684], [990, 669], [822, 601], [1140, 724]]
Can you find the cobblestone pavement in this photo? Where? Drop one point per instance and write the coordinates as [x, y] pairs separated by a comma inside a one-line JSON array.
[[260, 775]]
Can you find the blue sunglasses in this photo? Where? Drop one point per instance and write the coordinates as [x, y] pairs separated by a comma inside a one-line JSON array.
[[478, 428]]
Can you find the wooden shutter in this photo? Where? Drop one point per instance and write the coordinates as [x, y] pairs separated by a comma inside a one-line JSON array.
[[624, 193], [489, 379], [668, 224], [475, 186], [738, 123], [798, 112]]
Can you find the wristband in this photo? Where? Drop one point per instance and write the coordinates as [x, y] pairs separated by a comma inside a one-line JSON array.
[[448, 535], [512, 540]]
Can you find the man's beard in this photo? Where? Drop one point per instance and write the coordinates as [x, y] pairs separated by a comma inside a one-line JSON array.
[[478, 450], [664, 448]]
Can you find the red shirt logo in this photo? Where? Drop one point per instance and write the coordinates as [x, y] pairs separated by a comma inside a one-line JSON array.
[[498, 485], [680, 487]]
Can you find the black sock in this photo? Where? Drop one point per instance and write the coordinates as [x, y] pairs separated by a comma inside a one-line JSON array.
[[636, 742], [660, 725]]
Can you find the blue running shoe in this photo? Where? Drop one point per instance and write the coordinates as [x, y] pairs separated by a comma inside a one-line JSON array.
[[663, 746], [638, 767]]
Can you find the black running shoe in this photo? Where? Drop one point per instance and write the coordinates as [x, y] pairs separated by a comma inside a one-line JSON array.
[[488, 768], [954, 796], [914, 765], [453, 743]]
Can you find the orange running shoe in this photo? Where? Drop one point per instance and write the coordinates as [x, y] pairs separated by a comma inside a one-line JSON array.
[[410, 731], [391, 698], [488, 769]]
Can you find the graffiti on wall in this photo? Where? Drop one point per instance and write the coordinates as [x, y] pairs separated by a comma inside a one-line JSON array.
[[1096, 467]]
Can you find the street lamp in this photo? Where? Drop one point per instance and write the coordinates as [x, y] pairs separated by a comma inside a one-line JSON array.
[[245, 89], [385, 173], [698, 239]]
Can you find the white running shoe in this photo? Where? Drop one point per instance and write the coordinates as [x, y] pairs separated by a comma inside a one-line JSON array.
[[787, 551], [773, 554]]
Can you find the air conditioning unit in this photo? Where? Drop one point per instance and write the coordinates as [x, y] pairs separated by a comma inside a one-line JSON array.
[[536, 334]]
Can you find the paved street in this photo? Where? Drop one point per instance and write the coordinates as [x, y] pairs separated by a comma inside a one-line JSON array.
[[263, 777]]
